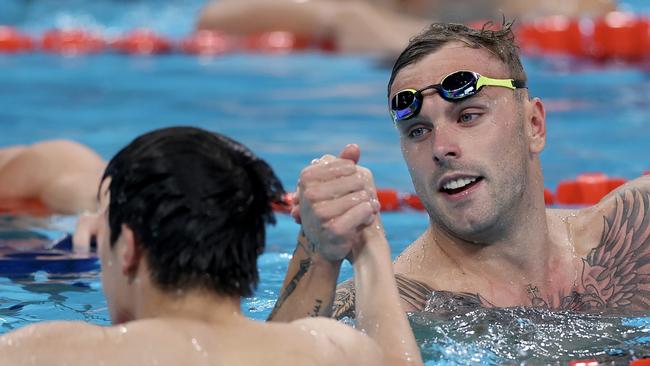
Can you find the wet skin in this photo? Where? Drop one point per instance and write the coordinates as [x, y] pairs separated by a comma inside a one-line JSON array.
[[492, 242]]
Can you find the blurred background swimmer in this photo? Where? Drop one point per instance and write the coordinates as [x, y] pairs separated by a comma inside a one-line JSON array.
[[49, 177], [181, 225], [375, 26]]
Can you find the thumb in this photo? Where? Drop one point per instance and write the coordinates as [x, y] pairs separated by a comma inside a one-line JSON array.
[[351, 152]]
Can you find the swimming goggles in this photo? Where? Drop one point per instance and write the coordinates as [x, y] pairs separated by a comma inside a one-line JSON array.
[[455, 86]]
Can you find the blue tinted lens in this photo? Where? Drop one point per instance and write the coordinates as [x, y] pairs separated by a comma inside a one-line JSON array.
[[407, 111]]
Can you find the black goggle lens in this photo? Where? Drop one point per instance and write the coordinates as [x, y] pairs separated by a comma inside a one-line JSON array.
[[403, 100], [457, 80]]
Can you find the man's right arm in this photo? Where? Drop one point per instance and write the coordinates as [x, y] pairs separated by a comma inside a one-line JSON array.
[[335, 200], [309, 286]]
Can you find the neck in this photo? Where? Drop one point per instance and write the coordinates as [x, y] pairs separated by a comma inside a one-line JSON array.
[[195, 304]]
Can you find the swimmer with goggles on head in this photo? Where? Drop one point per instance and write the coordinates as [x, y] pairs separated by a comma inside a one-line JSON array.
[[456, 86]]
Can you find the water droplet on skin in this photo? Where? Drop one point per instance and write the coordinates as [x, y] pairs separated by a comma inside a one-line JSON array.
[[123, 329], [313, 332], [196, 345], [572, 249]]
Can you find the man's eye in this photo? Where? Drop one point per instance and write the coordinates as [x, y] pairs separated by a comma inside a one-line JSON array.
[[417, 132], [467, 117]]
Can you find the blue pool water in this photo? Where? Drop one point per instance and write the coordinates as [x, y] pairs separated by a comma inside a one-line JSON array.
[[290, 109]]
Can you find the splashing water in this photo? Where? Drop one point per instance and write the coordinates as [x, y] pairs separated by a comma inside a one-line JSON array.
[[528, 336]]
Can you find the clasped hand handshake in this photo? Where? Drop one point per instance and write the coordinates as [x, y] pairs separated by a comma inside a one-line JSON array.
[[337, 205]]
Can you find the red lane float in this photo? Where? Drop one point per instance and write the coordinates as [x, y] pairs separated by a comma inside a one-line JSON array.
[[617, 35], [587, 189], [208, 43], [142, 42], [286, 205], [72, 42], [621, 35], [583, 363], [413, 201], [641, 362], [557, 34], [549, 198], [389, 199], [284, 42], [275, 42], [12, 41]]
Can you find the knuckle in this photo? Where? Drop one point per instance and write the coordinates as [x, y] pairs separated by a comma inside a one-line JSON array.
[[363, 195], [337, 229], [309, 194], [320, 211], [305, 175], [358, 183], [367, 208]]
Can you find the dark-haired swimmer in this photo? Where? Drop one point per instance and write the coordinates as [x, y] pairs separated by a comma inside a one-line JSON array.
[[375, 26], [181, 224], [56, 176], [471, 136]]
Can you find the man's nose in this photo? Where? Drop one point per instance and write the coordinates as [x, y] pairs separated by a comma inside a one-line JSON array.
[[445, 144], [445, 134]]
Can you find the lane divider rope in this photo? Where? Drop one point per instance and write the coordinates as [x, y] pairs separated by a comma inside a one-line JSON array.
[[617, 35]]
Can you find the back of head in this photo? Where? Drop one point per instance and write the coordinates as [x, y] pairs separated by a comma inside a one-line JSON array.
[[197, 203], [500, 43]]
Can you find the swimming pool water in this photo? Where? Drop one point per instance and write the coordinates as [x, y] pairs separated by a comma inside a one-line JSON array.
[[290, 109]]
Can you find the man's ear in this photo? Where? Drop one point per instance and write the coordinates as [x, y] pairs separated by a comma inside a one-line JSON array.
[[536, 125], [131, 253]]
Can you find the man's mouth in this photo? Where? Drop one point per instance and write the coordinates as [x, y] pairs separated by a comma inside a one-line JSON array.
[[459, 185]]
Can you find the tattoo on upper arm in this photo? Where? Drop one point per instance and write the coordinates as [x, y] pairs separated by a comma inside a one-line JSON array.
[[416, 293], [344, 301]]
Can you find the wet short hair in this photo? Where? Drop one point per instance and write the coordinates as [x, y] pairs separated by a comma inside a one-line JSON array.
[[500, 43], [197, 202]]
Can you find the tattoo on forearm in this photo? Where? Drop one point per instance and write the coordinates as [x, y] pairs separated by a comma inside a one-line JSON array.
[[307, 245], [291, 286], [316, 311]]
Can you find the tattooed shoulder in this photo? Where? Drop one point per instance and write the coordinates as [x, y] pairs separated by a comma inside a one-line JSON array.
[[616, 273]]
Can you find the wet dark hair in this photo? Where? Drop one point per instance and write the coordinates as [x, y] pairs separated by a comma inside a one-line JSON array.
[[197, 203], [500, 43]]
